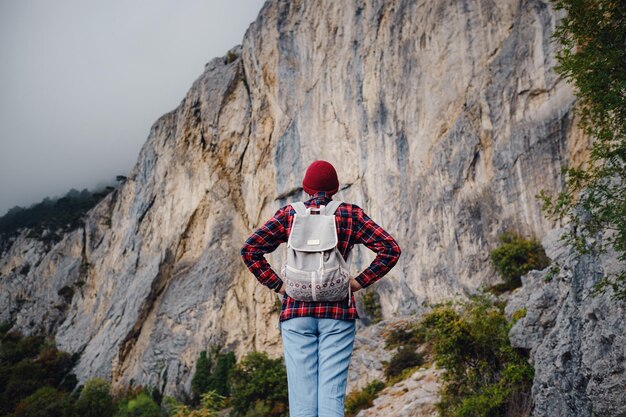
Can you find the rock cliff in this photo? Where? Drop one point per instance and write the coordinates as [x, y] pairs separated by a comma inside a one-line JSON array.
[[444, 119], [577, 338]]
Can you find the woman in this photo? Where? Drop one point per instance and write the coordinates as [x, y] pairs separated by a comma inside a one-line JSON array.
[[318, 337]]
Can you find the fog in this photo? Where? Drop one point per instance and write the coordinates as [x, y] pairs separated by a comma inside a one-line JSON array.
[[81, 82]]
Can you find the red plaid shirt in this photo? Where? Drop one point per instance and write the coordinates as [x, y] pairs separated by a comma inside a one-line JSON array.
[[353, 226]]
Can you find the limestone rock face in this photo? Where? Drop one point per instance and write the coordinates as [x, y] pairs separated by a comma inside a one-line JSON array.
[[415, 396], [577, 339], [444, 119]]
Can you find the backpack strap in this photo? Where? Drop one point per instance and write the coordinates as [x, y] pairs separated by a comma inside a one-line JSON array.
[[299, 207], [332, 207]]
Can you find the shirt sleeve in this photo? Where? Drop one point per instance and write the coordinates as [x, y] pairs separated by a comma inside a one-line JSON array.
[[378, 240], [265, 240]]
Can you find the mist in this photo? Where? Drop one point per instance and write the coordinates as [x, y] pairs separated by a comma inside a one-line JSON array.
[[81, 82]]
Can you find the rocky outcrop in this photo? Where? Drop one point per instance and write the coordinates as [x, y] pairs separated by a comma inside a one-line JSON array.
[[415, 396], [443, 120], [577, 338]]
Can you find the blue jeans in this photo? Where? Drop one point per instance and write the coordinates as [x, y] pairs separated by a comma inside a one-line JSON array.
[[317, 356]]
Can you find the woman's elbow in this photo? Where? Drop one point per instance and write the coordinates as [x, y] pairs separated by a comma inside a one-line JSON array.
[[397, 250]]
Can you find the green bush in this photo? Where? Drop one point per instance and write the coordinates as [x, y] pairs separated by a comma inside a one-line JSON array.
[[24, 379], [515, 257], [45, 402], [28, 364], [14, 347], [404, 358], [591, 56], [210, 403], [259, 379], [518, 315], [55, 363], [95, 399], [213, 373], [35, 380], [372, 307], [142, 405], [412, 336], [362, 399], [5, 326], [484, 375]]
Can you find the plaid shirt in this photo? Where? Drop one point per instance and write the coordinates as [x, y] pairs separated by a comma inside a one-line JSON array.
[[353, 226]]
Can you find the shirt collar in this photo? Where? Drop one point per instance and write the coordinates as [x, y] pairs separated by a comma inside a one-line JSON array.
[[319, 197]]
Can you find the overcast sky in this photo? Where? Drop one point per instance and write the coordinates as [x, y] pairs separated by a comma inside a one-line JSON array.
[[81, 82]]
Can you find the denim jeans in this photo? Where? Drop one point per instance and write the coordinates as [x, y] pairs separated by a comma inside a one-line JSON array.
[[317, 355]]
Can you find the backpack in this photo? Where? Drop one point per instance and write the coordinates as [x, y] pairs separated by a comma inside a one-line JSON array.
[[315, 269]]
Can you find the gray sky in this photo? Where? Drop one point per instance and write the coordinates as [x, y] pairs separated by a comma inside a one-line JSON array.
[[82, 81]]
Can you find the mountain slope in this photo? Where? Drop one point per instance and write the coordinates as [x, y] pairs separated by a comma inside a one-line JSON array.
[[443, 120]]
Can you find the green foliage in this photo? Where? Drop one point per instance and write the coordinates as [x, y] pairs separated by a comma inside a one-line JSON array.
[[230, 57], [519, 314], [35, 380], [142, 405], [50, 218], [404, 358], [27, 364], [401, 365], [213, 372], [14, 347], [371, 305], [44, 402], [5, 326], [257, 378], [259, 409], [156, 393], [362, 399], [484, 375], [411, 336], [555, 268], [594, 199], [210, 403], [515, 257], [95, 399], [200, 380]]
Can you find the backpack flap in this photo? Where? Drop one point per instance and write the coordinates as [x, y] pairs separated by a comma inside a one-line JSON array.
[[313, 233]]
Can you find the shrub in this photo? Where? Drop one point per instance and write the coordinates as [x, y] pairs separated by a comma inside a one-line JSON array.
[[213, 372], [372, 307], [484, 375], [24, 379], [230, 57], [143, 405], [14, 347], [362, 399], [95, 399], [592, 55], [515, 257], [404, 358], [27, 364], [518, 314], [210, 403], [411, 336], [55, 363], [200, 380], [5, 326], [257, 378], [45, 402]]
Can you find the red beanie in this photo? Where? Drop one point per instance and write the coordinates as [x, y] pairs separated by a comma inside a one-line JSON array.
[[320, 176]]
